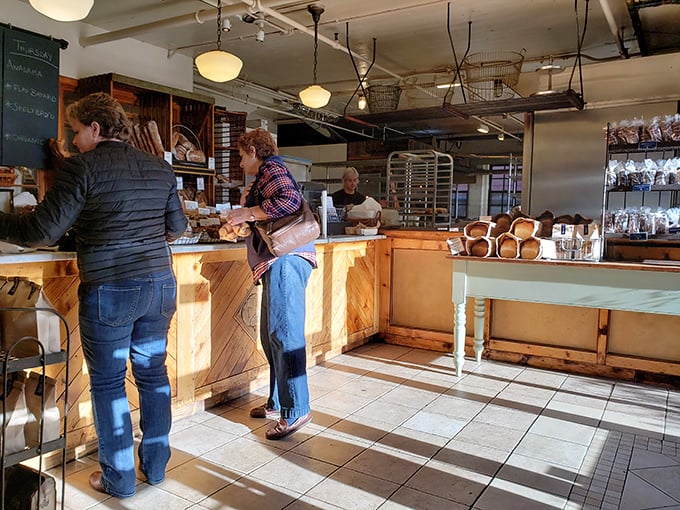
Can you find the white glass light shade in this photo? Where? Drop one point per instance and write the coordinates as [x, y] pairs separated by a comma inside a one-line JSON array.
[[63, 10], [218, 65], [362, 103], [315, 96], [483, 128]]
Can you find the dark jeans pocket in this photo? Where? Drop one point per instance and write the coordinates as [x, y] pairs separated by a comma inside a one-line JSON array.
[[117, 306], [169, 299]]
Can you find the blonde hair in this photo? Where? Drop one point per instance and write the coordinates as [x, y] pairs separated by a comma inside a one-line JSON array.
[[350, 173]]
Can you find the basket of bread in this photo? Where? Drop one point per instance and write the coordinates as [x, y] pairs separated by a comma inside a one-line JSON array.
[[186, 149], [7, 176]]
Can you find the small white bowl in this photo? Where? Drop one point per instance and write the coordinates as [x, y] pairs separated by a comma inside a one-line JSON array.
[[368, 231]]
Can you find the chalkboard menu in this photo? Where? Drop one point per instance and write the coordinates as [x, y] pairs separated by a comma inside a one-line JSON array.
[[29, 96]]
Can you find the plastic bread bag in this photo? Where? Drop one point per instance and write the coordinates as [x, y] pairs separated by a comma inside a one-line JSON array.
[[648, 169], [634, 172], [610, 173]]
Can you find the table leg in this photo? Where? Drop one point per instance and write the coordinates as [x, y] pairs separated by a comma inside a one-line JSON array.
[[480, 309], [459, 337]]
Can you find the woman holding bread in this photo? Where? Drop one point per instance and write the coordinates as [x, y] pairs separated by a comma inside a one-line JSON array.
[[274, 194], [123, 206]]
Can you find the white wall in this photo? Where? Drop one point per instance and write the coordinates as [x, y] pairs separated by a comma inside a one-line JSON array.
[[127, 57]]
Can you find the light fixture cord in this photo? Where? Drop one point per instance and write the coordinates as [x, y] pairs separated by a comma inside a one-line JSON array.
[[316, 44], [219, 24]]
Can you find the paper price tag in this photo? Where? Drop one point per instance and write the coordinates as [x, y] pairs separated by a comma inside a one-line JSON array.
[[200, 183], [180, 182]]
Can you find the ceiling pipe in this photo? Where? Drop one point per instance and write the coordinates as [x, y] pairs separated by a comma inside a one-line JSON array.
[[196, 18], [609, 16]]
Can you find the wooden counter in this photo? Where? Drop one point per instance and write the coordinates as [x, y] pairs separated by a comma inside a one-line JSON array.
[[213, 344]]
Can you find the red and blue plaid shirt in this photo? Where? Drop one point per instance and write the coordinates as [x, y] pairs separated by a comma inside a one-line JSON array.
[[278, 195]]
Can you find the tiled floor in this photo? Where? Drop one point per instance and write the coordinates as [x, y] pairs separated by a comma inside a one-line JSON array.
[[395, 429]]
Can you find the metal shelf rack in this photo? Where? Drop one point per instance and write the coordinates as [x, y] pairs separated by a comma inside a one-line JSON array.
[[419, 186]]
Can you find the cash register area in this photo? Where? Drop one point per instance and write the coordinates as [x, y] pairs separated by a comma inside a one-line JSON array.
[[394, 428]]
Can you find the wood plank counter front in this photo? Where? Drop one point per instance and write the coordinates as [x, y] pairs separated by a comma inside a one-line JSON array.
[[213, 346]]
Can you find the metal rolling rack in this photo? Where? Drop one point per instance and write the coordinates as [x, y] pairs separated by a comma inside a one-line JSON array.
[[419, 186], [10, 364]]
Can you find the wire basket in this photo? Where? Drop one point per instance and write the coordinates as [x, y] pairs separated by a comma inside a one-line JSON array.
[[492, 75], [383, 98]]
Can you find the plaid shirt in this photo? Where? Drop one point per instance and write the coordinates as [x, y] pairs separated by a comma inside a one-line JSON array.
[[278, 195]]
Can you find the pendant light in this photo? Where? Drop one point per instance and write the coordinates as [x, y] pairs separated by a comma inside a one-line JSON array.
[[218, 65], [315, 96], [63, 10]]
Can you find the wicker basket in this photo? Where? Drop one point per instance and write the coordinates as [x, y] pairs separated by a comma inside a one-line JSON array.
[[383, 98], [366, 222], [7, 176]]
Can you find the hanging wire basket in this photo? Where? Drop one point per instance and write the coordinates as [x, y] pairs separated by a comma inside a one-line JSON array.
[[383, 98], [492, 75]]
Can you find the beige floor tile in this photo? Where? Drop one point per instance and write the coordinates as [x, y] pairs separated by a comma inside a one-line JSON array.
[[386, 411], [388, 464], [563, 429], [484, 381], [511, 496], [307, 503], [361, 427], [509, 414], [473, 457], [492, 436], [295, 472], [560, 453], [408, 499], [473, 392], [250, 494], [243, 455], [197, 479], [331, 448], [414, 442], [529, 395], [455, 407], [193, 439], [147, 496], [331, 379], [369, 387], [649, 425], [541, 378], [449, 482], [574, 412], [411, 396], [344, 401], [538, 474], [351, 490], [435, 423]]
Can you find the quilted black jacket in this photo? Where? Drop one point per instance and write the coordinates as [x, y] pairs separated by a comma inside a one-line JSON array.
[[123, 206]]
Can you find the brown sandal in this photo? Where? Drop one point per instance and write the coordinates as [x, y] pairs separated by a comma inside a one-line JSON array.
[[282, 429]]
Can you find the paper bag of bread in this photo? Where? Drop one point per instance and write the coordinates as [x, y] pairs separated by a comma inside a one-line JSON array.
[[507, 246], [368, 213], [233, 232]]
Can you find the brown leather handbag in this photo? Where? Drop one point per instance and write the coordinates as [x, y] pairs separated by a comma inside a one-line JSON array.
[[283, 235]]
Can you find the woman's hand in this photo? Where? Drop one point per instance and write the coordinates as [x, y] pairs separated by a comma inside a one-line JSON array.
[[240, 215]]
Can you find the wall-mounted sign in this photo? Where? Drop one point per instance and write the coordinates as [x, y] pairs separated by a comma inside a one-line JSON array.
[[30, 96]]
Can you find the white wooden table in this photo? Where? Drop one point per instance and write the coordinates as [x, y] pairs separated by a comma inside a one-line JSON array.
[[607, 285]]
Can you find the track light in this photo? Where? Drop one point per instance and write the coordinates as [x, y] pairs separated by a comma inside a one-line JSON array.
[[362, 103], [448, 85], [226, 25], [501, 136], [483, 128], [259, 37]]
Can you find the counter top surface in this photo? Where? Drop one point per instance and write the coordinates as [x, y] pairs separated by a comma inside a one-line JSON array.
[[603, 264], [49, 255]]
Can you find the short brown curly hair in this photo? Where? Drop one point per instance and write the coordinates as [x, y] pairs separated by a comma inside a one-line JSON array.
[[103, 109], [261, 139]]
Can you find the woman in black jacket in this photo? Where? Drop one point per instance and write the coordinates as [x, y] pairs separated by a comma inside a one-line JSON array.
[[122, 206]]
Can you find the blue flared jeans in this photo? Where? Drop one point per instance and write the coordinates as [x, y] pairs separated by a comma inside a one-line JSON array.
[[121, 320], [282, 333]]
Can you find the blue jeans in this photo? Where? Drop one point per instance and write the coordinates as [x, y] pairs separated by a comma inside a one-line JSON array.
[[282, 333], [120, 320]]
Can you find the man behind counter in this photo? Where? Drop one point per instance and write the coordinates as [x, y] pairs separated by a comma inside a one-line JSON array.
[[348, 195]]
